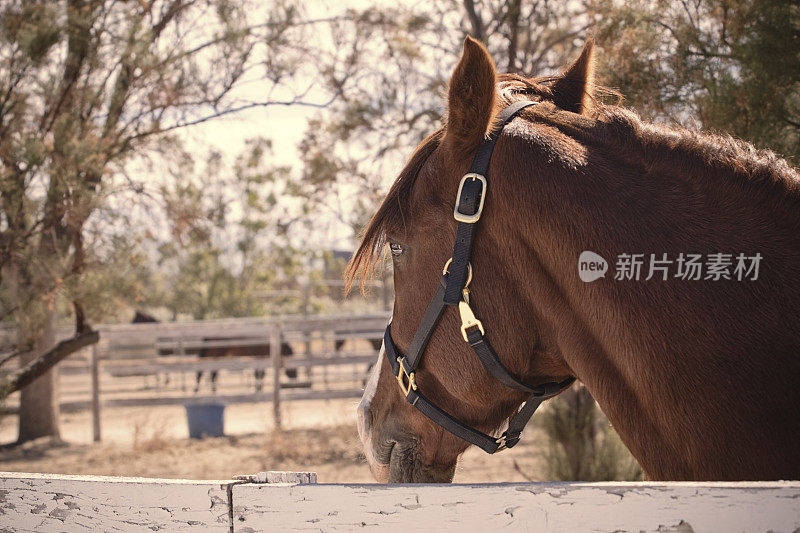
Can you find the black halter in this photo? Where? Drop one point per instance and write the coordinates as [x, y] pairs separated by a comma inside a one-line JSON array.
[[454, 290]]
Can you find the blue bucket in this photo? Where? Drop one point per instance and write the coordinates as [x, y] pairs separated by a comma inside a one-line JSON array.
[[205, 420]]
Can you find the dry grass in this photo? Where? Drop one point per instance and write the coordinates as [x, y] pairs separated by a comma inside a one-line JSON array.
[[336, 445], [334, 453], [320, 437], [151, 434]]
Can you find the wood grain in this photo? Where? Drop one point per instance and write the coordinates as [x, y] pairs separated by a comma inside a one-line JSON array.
[[292, 501], [541, 507], [53, 503]]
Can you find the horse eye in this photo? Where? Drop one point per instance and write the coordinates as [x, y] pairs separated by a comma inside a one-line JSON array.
[[396, 249]]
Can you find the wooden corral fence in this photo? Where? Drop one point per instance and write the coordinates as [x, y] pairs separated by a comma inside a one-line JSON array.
[[286, 501], [156, 363]]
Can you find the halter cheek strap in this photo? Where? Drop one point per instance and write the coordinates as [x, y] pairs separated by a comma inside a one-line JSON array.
[[454, 290]]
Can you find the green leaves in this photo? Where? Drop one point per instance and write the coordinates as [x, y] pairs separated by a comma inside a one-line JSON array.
[[726, 65], [32, 27]]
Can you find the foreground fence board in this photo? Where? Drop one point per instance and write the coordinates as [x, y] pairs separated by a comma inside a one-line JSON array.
[[291, 501], [52, 503], [556, 507]]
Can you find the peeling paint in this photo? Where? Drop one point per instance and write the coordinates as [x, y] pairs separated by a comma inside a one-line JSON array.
[[681, 527], [36, 502], [548, 507], [452, 504], [58, 513], [91, 503]]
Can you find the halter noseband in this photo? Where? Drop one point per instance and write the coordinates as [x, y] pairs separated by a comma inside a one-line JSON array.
[[454, 290]]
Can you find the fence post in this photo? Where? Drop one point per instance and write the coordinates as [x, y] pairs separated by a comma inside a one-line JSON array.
[[277, 364], [306, 340], [95, 394]]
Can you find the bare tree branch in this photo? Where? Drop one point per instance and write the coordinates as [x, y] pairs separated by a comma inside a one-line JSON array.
[[29, 373], [792, 122], [474, 19], [251, 105], [8, 357], [513, 15], [535, 64]]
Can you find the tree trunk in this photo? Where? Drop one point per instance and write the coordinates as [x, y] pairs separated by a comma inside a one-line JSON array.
[[36, 327], [38, 410], [474, 19]]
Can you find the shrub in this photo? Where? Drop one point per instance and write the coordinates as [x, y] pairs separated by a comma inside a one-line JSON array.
[[582, 445]]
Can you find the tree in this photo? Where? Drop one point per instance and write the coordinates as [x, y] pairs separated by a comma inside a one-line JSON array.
[[395, 65], [85, 87], [727, 65], [230, 235]]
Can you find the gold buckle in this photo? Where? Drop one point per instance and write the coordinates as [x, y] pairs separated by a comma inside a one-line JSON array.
[[469, 271], [458, 215], [468, 319], [407, 381], [501, 443]]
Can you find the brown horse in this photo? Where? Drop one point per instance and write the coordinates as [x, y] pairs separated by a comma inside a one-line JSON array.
[[142, 317], [241, 347], [700, 375], [227, 347]]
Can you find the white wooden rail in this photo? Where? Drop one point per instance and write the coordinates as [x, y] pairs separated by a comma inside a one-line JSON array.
[[287, 501]]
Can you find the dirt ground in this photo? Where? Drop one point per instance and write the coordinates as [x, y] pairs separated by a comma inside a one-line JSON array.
[[317, 436]]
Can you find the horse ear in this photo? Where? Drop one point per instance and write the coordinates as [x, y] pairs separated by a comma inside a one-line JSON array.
[[573, 90], [470, 98]]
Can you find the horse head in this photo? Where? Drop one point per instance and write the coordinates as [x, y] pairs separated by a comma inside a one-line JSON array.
[[417, 222]]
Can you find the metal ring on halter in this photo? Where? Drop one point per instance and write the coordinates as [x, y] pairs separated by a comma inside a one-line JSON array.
[[469, 271]]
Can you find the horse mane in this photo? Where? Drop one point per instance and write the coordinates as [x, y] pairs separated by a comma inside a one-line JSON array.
[[657, 147], [389, 216], [654, 147]]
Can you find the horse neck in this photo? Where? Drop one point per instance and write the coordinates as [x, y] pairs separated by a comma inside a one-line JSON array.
[[673, 364]]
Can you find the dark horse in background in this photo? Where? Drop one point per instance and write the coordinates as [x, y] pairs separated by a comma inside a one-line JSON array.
[[700, 377], [140, 317], [248, 347]]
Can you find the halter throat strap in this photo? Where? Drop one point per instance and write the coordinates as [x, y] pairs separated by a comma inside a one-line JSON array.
[[453, 290]]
